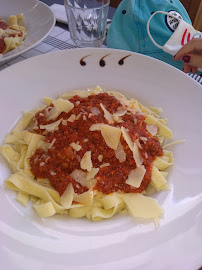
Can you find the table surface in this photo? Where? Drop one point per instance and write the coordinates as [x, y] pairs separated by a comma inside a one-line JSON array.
[[59, 39]]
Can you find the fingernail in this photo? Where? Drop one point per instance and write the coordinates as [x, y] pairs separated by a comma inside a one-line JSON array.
[[186, 58], [174, 55]]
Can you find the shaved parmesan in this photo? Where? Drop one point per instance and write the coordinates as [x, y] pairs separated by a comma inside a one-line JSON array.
[[136, 176], [152, 129], [100, 158], [138, 143], [137, 155], [141, 206], [120, 113], [51, 127], [92, 174], [127, 138], [95, 110], [104, 165], [63, 105], [120, 98], [84, 198], [81, 177], [48, 101], [144, 139], [67, 197], [120, 154], [95, 127], [78, 116], [86, 162], [64, 122], [60, 105], [72, 118], [107, 114], [75, 146], [111, 135], [52, 143]]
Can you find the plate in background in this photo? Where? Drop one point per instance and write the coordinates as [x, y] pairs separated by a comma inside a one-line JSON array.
[[38, 19]]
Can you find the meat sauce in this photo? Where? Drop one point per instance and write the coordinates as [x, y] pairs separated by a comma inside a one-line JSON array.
[[4, 26], [58, 162]]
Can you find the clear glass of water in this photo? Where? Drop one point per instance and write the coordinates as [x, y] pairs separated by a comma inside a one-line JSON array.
[[87, 21]]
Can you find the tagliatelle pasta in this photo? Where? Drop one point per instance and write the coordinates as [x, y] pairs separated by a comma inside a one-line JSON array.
[[89, 154], [12, 34]]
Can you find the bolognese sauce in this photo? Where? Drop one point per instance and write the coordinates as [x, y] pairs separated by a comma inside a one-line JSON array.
[[60, 160]]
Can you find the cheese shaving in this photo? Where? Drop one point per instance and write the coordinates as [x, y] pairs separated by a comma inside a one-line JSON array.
[[136, 176], [92, 174], [63, 105], [86, 162], [100, 158], [81, 177], [60, 105], [95, 127], [111, 135], [152, 129], [72, 118], [104, 165], [67, 197], [120, 113], [51, 127], [127, 138], [75, 146], [108, 116], [120, 154], [137, 155]]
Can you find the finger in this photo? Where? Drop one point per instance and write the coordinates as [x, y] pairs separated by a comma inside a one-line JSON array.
[[194, 69], [186, 68], [193, 60], [194, 44]]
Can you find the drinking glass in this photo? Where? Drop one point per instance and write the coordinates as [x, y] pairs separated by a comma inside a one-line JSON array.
[[87, 21]]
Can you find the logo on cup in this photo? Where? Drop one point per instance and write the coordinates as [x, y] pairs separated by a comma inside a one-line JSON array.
[[172, 23]]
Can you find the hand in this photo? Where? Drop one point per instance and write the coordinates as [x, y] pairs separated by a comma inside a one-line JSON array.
[[191, 55]]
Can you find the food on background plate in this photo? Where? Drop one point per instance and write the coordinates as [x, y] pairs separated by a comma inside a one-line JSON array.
[[12, 34], [91, 154]]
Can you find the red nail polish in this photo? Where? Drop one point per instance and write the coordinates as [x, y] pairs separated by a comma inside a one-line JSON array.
[[186, 58], [174, 55]]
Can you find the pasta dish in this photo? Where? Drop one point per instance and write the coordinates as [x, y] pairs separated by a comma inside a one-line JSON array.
[[91, 154], [12, 34]]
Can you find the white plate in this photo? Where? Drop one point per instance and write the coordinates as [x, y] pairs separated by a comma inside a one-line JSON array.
[[28, 242], [38, 18]]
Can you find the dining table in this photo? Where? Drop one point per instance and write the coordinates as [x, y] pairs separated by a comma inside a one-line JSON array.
[[59, 39]]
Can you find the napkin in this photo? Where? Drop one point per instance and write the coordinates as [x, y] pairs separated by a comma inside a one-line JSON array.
[[60, 13]]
